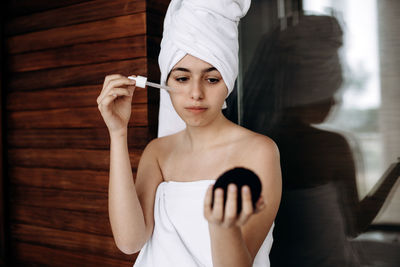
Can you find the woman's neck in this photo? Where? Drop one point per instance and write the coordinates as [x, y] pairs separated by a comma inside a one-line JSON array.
[[204, 137]]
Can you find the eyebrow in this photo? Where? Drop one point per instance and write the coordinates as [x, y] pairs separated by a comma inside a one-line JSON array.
[[187, 70]]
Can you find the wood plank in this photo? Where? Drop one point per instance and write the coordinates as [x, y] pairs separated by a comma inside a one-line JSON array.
[[66, 240], [22, 7], [153, 70], [80, 54], [75, 76], [73, 14], [157, 6], [117, 27], [82, 138], [79, 180], [69, 118], [155, 24], [79, 96], [153, 47], [84, 201], [67, 220], [68, 159], [153, 98], [29, 254], [3, 178]]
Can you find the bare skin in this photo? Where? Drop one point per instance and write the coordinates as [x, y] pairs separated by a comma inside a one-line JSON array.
[[206, 148]]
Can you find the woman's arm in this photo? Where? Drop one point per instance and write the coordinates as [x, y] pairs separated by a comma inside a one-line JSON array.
[[361, 213], [228, 246], [131, 203], [235, 240], [128, 215]]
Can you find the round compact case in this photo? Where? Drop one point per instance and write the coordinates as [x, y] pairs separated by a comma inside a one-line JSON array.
[[240, 177]]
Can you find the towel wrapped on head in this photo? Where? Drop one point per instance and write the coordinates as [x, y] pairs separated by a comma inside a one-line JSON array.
[[206, 29]]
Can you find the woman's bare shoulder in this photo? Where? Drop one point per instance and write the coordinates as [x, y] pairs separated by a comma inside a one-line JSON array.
[[257, 143], [259, 153], [153, 154], [162, 145]]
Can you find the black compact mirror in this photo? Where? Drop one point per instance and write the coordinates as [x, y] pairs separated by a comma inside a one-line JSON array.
[[240, 177]]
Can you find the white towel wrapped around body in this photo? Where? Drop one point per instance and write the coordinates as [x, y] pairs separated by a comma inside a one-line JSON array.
[[206, 29], [181, 236]]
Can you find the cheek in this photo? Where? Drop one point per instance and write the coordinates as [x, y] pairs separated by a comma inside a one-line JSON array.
[[220, 94], [216, 95], [176, 99]]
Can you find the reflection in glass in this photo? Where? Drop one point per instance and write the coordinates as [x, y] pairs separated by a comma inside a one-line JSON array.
[[358, 112], [297, 91]]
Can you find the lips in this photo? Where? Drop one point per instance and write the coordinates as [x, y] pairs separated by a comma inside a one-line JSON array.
[[196, 109]]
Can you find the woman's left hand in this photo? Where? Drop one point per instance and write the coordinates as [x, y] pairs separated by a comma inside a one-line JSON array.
[[227, 216]]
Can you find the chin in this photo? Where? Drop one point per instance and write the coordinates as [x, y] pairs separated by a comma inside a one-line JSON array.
[[195, 123], [198, 120]]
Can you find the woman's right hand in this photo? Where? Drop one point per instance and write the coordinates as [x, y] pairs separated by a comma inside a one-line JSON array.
[[114, 102]]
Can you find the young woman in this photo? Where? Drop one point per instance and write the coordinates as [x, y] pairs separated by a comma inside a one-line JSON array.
[[167, 211]]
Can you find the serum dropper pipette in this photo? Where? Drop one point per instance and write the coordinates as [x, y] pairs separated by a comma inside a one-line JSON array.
[[142, 82]]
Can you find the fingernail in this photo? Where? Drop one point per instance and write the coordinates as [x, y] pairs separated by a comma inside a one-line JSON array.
[[232, 188]]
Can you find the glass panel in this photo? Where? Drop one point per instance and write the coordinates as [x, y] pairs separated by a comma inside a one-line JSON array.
[[320, 77]]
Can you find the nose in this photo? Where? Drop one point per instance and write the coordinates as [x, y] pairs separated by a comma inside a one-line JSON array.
[[197, 91]]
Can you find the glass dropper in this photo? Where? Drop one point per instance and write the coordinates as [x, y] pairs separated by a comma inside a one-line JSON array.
[[142, 82]]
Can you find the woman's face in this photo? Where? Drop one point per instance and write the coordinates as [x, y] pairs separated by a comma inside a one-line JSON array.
[[200, 91]]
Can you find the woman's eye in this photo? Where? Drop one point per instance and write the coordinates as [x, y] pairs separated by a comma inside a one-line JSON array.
[[181, 79], [213, 80]]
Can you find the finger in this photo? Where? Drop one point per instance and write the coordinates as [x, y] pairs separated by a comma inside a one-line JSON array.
[[218, 208], [247, 205], [231, 205], [117, 92], [208, 202], [120, 81], [121, 92], [104, 105], [108, 78]]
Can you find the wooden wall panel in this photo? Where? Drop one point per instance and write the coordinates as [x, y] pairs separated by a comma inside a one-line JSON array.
[[64, 179], [60, 199], [2, 172], [58, 145], [117, 27], [58, 53], [72, 117], [86, 53], [70, 97], [75, 76], [68, 220], [71, 159], [22, 7], [39, 255], [86, 138], [80, 13], [158, 7], [71, 241]]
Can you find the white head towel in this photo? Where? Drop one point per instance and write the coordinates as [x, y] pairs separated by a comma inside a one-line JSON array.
[[206, 29]]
